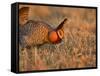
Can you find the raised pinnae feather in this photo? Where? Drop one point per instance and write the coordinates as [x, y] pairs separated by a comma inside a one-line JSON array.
[[61, 24]]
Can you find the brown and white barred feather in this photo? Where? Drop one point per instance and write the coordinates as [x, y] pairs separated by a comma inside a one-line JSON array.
[[34, 33]]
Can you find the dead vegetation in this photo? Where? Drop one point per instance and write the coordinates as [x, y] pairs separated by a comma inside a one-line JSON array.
[[77, 50]]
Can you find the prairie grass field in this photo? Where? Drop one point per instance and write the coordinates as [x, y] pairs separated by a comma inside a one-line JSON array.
[[77, 49]]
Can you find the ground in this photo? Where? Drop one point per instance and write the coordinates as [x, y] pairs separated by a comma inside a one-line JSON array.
[[78, 48]]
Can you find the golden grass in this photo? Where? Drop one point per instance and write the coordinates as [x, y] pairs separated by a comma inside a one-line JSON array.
[[77, 50]]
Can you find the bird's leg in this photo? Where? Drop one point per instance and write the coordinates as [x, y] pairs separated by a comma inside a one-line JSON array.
[[29, 59], [35, 52], [57, 47], [24, 60]]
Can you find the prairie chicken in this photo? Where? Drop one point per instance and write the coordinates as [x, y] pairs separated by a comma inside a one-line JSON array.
[[37, 32], [34, 33]]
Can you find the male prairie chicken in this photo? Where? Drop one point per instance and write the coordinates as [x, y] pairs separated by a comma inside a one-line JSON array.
[[34, 33], [37, 32]]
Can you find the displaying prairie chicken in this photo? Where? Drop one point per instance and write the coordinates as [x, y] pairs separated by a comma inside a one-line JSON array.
[[34, 33], [38, 32]]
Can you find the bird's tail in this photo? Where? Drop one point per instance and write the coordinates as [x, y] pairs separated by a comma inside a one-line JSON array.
[[23, 15]]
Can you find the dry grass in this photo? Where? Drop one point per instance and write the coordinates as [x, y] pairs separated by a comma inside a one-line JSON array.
[[77, 50]]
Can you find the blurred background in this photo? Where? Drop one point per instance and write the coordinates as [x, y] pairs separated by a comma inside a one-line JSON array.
[[78, 49]]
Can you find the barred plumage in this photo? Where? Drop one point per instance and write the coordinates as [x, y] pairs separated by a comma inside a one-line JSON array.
[[37, 32], [33, 33]]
